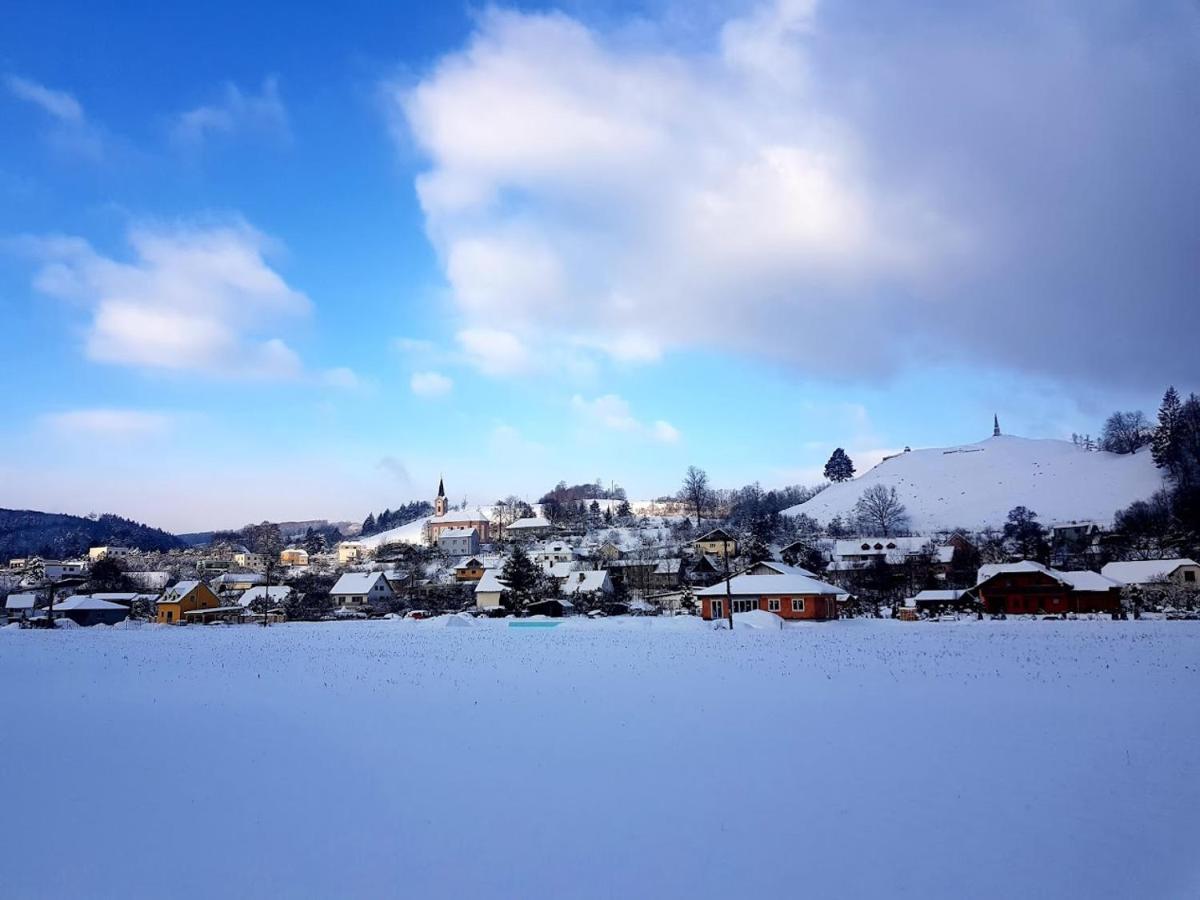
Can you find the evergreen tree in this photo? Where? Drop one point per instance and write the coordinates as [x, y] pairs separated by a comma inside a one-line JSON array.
[[840, 467], [521, 578], [368, 525], [1164, 445], [624, 510]]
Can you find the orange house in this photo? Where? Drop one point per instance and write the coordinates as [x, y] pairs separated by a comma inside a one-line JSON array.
[[183, 598], [789, 592]]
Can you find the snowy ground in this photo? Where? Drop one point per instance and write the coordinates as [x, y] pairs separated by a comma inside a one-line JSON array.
[[618, 759]]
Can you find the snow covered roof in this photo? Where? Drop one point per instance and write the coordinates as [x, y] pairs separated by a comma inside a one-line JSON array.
[[1143, 571], [276, 593], [86, 601], [20, 601], [1024, 567], [183, 589], [487, 560], [717, 534], [457, 533], [529, 523], [937, 596], [471, 514], [490, 583], [560, 569], [894, 549], [353, 583], [239, 578], [1089, 581], [778, 568], [586, 581], [773, 585]]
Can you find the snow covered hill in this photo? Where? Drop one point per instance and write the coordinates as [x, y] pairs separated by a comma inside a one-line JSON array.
[[975, 485], [409, 533]]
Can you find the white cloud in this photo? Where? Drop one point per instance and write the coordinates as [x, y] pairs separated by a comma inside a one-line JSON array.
[[194, 298], [70, 132], [341, 377], [612, 413], [60, 104], [237, 112], [787, 193], [495, 351], [430, 384], [414, 346], [113, 424]]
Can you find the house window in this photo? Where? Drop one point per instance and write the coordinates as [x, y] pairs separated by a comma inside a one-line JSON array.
[[744, 606], [718, 609], [798, 605], [1189, 575], [773, 605]]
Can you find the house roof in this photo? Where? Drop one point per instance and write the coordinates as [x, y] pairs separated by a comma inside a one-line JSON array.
[[471, 515], [490, 583], [240, 578], [586, 581], [717, 534], [20, 601], [1089, 581], [457, 533], [763, 585], [183, 588], [892, 548], [86, 601], [529, 523], [275, 593], [1143, 571], [1024, 567], [780, 569], [352, 583], [937, 596]]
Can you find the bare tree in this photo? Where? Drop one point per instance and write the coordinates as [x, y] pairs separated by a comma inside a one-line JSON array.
[[695, 491], [1126, 432], [879, 511]]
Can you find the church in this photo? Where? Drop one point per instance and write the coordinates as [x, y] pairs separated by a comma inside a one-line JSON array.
[[470, 517]]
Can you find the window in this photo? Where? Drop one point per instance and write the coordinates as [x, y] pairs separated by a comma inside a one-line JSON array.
[[773, 605], [718, 609], [1189, 575], [798, 605]]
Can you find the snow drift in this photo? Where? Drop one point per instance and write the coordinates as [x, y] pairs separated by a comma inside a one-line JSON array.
[[975, 485]]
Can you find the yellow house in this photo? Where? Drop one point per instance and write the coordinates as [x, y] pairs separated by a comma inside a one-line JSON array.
[[351, 551], [716, 543], [293, 557], [185, 597]]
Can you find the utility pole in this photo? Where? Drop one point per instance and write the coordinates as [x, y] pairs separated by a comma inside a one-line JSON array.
[[728, 588]]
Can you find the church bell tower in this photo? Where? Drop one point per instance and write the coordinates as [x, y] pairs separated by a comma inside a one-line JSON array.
[[439, 502]]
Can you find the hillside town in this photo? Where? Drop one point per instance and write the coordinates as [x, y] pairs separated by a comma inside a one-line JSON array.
[[590, 551]]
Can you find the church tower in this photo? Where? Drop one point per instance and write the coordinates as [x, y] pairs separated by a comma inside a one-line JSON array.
[[995, 425], [439, 502]]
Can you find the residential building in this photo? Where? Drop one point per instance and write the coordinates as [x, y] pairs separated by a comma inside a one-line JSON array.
[[237, 582], [1029, 588], [489, 590], [788, 591], [717, 542], [529, 528], [1183, 572], [83, 609], [55, 570], [98, 553], [595, 582], [20, 606], [276, 595], [351, 552], [458, 541], [185, 597], [859, 553], [244, 559], [552, 552], [357, 589], [471, 568], [293, 556]]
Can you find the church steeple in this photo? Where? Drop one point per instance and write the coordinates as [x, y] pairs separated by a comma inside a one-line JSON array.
[[439, 503], [995, 425]]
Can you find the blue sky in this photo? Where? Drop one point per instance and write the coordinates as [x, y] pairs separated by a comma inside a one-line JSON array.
[[260, 264]]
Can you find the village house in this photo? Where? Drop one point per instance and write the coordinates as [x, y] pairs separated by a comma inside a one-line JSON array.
[[351, 552], [458, 541], [529, 528], [56, 570], [358, 589], [552, 552], [489, 590], [1142, 573], [788, 591], [95, 554], [717, 542], [237, 582], [84, 609], [183, 598], [1030, 588], [293, 556], [276, 595], [860, 553], [594, 582], [20, 606], [244, 559], [471, 568], [150, 581], [934, 602]]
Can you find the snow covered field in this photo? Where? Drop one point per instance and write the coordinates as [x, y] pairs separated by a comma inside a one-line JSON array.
[[625, 758]]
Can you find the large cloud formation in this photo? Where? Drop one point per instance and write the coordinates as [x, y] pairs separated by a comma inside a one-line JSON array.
[[841, 190]]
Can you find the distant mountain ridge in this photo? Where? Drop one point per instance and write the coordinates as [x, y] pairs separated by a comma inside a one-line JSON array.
[[975, 485], [26, 532]]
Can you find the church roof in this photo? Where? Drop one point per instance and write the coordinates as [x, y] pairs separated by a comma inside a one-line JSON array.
[[441, 488]]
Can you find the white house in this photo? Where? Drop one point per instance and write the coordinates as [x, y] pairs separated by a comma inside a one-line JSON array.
[[458, 541], [489, 590], [858, 553], [55, 570], [586, 581], [529, 527], [276, 594], [553, 552], [361, 588], [19, 606], [350, 552], [97, 553]]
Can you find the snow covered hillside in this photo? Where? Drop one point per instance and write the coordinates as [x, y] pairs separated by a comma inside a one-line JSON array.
[[974, 486], [623, 758], [410, 533]]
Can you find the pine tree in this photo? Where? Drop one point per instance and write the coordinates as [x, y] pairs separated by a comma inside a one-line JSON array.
[[840, 467], [368, 525], [1164, 446], [521, 578]]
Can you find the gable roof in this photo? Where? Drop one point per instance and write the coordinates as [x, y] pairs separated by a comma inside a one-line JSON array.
[[779, 569], [353, 583], [1089, 581], [717, 534], [529, 522], [490, 583], [586, 581], [1024, 567], [86, 601], [457, 532], [762, 585], [20, 601], [276, 593], [182, 589], [1143, 571]]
